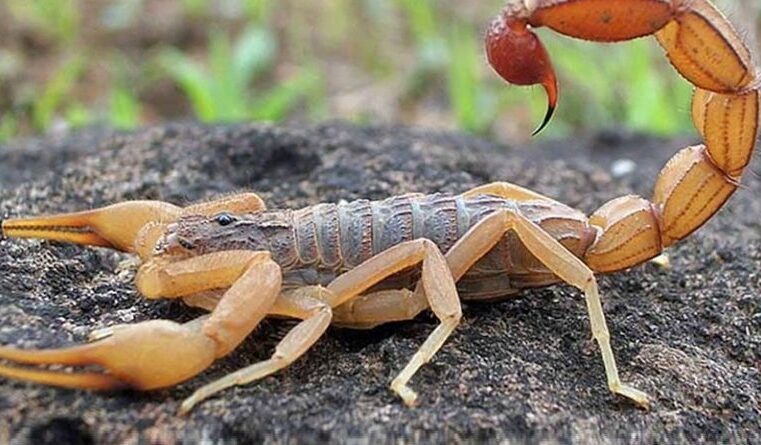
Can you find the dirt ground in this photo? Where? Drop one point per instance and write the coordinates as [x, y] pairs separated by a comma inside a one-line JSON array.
[[524, 370]]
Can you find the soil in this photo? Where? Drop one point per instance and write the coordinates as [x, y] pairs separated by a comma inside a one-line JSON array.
[[524, 370]]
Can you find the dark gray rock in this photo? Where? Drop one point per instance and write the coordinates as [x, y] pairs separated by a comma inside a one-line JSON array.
[[523, 370]]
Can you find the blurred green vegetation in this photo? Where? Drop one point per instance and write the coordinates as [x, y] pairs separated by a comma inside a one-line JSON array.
[[70, 63]]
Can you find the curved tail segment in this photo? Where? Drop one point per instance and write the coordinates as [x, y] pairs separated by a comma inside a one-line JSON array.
[[706, 50], [518, 56]]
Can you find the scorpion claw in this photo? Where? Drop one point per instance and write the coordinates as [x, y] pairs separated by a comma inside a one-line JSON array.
[[117, 226], [134, 356], [62, 379]]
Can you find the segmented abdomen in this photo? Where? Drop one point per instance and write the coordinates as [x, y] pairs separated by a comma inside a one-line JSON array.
[[332, 238], [341, 236]]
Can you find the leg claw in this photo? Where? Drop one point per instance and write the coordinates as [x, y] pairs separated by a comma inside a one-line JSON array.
[[408, 395], [640, 398]]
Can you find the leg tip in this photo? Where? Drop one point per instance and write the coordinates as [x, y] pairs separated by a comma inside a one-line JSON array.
[[407, 394], [641, 399], [662, 261], [186, 406]]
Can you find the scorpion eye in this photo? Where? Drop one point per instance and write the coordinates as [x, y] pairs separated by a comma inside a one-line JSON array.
[[224, 219]]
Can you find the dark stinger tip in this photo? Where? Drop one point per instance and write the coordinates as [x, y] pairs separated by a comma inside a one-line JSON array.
[[550, 85], [546, 121]]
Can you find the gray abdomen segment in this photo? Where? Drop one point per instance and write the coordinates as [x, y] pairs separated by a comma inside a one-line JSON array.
[[342, 236], [329, 239]]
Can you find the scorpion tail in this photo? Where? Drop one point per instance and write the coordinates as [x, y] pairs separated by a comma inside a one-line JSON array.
[[518, 56]]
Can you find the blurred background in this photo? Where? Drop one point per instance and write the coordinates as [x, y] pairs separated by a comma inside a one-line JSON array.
[[65, 64]]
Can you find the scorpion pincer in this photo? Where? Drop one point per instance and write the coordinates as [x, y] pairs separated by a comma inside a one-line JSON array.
[[342, 263]]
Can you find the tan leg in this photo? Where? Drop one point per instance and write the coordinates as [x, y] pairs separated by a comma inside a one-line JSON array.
[[365, 311], [253, 276], [368, 311], [306, 304], [507, 190], [436, 282], [481, 238], [206, 300], [159, 278], [136, 355], [362, 312]]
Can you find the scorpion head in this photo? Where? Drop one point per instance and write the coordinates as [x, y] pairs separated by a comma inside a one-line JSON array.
[[192, 235]]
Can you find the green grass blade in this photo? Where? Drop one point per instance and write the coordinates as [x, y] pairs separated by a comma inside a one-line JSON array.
[[194, 82], [55, 92], [125, 109], [229, 92], [275, 105], [254, 53], [77, 115]]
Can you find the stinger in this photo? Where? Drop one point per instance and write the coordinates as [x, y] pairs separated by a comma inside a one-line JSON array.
[[518, 56]]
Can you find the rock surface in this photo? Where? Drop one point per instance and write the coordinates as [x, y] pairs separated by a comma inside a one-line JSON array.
[[522, 370]]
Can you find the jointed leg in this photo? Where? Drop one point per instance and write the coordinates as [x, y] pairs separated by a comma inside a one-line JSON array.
[[306, 304], [481, 238], [206, 300], [368, 311], [253, 279], [162, 279], [436, 283]]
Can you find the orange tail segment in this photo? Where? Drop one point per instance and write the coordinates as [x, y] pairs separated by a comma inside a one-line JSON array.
[[518, 56]]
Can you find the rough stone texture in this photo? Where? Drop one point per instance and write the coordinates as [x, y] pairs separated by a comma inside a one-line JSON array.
[[522, 370]]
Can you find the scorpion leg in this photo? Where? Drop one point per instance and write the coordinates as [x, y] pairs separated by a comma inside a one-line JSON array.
[[436, 282], [307, 304], [207, 300], [484, 235], [136, 355], [370, 310]]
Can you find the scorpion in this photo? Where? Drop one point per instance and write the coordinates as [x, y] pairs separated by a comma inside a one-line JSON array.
[[365, 263]]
